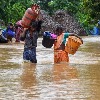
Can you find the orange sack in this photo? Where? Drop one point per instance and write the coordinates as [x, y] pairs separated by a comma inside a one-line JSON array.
[[30, 14]]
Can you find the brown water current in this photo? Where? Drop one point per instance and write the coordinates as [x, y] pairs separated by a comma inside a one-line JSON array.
[[77, 80]]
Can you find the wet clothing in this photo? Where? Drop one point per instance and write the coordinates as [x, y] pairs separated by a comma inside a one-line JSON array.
[[30, 46], [31, 43], [30, 54], [60, 55]]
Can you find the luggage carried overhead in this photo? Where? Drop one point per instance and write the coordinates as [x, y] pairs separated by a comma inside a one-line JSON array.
[[30, 14]]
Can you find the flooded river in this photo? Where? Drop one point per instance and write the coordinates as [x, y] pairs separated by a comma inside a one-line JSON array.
[[78, 80]]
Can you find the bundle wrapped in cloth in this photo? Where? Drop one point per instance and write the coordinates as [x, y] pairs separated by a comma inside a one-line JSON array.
[[48, 39], [30, 14]]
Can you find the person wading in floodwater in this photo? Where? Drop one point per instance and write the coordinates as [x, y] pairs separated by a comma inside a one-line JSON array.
[[30, 36], [60, 55]]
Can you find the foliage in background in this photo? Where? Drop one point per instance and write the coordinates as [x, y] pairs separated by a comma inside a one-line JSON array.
[[87, 12], [70, 6], [13, 10]]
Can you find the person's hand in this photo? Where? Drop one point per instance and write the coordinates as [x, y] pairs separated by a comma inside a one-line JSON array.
[[25, 29], [23, 33], [40, 17]]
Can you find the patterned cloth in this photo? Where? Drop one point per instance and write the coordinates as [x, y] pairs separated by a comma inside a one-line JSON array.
[[60, 56], [59, 49], [31, 41], [30, 46], [30, 54]]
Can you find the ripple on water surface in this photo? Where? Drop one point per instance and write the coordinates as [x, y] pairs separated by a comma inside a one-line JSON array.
[[78, 80]]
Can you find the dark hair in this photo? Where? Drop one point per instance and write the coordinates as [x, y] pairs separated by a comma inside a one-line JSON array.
[[34, 24], [37, 25], [8, 27], [59, 30], [10, 24]]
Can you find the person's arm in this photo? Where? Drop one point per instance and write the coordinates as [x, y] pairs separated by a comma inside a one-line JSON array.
[[23, 35], [66, 35], [40, 21], [73, 34], [39, 25]]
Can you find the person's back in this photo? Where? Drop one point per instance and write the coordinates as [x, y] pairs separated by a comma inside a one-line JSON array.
[[30, 37]]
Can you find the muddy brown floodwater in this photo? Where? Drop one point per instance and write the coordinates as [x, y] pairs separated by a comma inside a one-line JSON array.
[[78, 80]]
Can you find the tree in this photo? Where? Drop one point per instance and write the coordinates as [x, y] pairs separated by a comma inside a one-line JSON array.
[[88, 13], [70, 5], [12, 10]]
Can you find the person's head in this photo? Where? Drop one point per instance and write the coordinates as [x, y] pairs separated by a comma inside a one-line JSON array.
[[59, 30], [16, 26], [34, 25], [10, 25]]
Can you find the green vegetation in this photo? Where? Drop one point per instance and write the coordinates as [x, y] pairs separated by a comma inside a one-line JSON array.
[[13, 10], [87, 12]]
